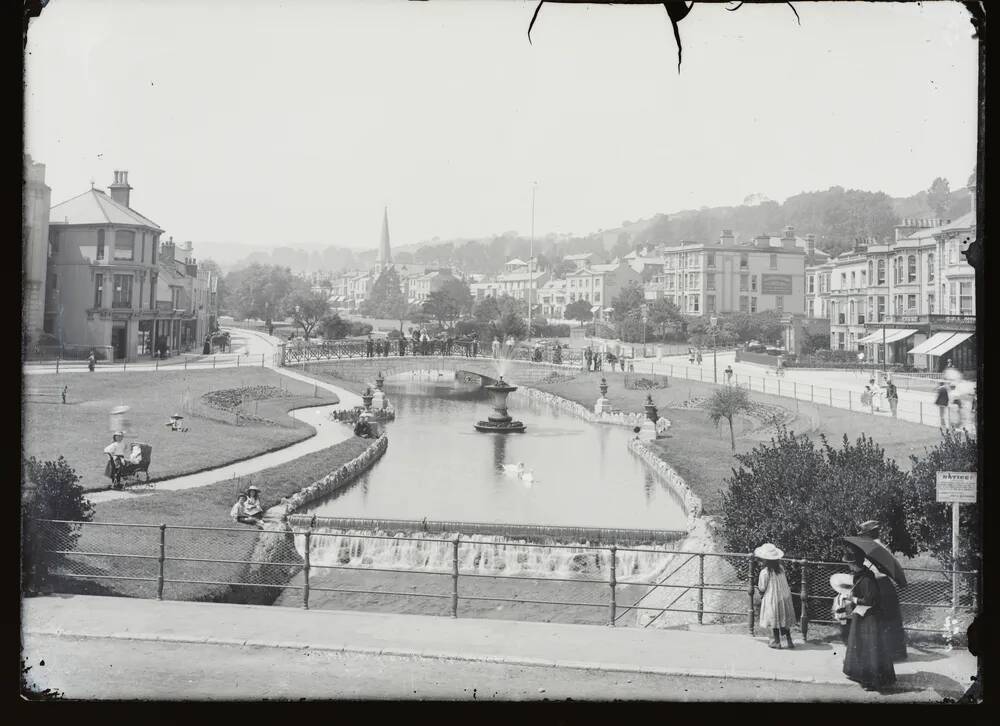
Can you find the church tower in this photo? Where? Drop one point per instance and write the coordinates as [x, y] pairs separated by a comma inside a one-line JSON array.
[[384, 253]]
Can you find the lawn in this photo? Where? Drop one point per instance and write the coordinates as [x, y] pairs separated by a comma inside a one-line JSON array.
[[700, 451], [79, 430], [206, 506]]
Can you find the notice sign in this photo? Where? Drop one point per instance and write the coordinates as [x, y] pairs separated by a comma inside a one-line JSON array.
[[956, 486], [776, 284]]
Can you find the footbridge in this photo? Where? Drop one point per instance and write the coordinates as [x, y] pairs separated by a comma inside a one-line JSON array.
[[350, 362]]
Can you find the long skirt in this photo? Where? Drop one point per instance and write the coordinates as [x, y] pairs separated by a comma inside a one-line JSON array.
[[867, 660], [891, 618]]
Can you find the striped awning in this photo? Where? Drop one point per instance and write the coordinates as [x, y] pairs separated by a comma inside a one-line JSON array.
[[889, 335], [941, 343]]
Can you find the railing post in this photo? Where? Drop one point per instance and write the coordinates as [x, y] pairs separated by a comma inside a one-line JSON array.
[[454, 576], [124, 363], [213, 361], [701, 587], [163, 547], [156, 367], [185, 363], [612, 606], [779, 386], [921, 411], [812, 392], [750, 587], [261, 360], [850, 400], [57, 364], [237, 361], [831, 396], [804, 602], [306, 568]]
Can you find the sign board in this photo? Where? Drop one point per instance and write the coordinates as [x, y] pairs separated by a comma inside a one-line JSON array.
[[956, 486], [714, 321], [776, 284]]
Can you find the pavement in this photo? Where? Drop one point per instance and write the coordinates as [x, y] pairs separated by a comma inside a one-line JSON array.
[[667, 652]]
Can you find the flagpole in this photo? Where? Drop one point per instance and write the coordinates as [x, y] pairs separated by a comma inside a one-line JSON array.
[[531, 254]]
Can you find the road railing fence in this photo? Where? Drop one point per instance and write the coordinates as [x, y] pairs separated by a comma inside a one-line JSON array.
[[184, 361], [625, 585]]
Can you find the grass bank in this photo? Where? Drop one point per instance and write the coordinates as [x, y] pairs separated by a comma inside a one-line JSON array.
[[78, 430], [206, 506], [700, 451]]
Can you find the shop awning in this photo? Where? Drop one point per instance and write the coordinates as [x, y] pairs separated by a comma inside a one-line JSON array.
[[930, 344], [942, 343], [889, 335]]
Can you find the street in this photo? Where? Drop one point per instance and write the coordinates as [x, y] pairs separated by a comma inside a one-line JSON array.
[[94, 668]]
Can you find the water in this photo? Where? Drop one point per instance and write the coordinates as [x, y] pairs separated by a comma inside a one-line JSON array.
[[439, 468]]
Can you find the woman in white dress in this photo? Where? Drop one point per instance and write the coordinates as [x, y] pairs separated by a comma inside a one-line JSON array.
[[777, 611]]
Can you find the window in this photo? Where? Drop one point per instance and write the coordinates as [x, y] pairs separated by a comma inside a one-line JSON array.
[[850, 308], [156, 243], [840, 341], [898, 305], [142, 256], [753, 283], [854, 281], [810, 308], [911, 268], [911, 303], [881, 308], [753, 304], [710, 303], [812, 284], [952, 308], [773, 262], [864, 281], [843, 280], [965, 300], [152, 289], [744, 260], [871, 307], [930, 267], [124, 244], [100, 244], [930, 304], [710, 281], [53, 242], [597, 297], [98, 290], [871, 276], [123, 292], [744, 303], [709, 259], [881, 272], [952, 252], [142, 290], [693, 303], [744, 280]]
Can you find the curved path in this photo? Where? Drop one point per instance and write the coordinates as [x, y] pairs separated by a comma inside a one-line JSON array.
[[327, 434]]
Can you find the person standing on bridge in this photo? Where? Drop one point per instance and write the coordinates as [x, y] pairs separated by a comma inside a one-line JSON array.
[[495, 347], [777, 611], [475, 345], [401, 345], [369, 346]]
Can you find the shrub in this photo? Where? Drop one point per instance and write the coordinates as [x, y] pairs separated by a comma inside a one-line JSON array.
[[359, 328], [929, 521], [805, 498], [52, 492]]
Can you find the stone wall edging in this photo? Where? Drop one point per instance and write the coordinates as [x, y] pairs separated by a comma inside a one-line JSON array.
[[620, 419]]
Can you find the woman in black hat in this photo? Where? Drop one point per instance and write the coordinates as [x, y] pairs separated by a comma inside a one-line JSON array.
[[892, 616], [867, 660]]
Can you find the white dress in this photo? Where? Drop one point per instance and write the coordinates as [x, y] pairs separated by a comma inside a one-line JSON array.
[[776, 608]]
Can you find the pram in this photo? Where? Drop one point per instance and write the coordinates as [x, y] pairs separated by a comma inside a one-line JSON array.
[[124, 473]]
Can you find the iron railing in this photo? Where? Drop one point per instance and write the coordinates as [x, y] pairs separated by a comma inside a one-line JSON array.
[[644, 584], [186, 361]]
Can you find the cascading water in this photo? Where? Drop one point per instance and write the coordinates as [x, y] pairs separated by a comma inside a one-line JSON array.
[[479, 554]]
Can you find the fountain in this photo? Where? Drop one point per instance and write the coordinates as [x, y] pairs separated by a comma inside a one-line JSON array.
[[500, 422]]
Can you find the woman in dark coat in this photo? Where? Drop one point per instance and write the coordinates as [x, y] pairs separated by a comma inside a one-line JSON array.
[[867, 660], [891, 613]]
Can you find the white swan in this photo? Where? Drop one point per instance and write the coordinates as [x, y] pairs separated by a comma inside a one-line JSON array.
[[528, 477], [513, 469]]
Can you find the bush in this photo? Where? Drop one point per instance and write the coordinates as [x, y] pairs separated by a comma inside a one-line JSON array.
[[928, 520], [53, 492], [804, 498], [359, 328], [549, 330]]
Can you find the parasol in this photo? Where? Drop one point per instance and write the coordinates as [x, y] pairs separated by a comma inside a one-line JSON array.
[[879, 556]]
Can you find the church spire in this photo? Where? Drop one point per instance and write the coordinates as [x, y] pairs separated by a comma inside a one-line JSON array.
[[384, 253]]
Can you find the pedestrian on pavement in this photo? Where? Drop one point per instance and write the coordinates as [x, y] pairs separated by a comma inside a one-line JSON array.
[[892, 616], [892, 396], [942, 399], [588, 356], [867, 660], [697, 357], [691, 356], [877, 398], [621, 362], [777, 611], [866, 399], [729, 374], [509, 346], [92, 361], [631, 365], [843, 585]]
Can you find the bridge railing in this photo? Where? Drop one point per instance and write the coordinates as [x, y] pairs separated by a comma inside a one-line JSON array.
[[302, 563]]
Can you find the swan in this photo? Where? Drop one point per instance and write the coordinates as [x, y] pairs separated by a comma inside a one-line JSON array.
[[528, 477], [513, 469]]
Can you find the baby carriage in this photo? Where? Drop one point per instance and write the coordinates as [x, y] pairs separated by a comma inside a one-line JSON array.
[[123, 472]]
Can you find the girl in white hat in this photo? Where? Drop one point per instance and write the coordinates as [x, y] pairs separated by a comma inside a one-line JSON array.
[[776, 609]]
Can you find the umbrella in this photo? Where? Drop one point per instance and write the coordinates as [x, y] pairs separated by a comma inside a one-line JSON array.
[[879, 556]]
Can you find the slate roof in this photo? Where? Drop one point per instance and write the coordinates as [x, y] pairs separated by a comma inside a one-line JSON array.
[[96, 207]]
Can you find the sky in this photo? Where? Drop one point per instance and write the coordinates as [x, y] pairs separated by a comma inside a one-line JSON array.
[[293, 123]]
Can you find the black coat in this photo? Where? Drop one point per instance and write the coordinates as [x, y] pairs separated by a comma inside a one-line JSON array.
[[868, 660]]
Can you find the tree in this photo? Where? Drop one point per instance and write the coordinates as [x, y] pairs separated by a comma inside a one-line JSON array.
[[928, 521], [939, 196], [259, 291], [52, 492], [458, 292], [630, 298], [726, 403], [562, 268], [306, 309], [486, 310], [578, 310], [333, 327], [623, 245], [805, 498], [440, 306], [664, 314], [386, 299]]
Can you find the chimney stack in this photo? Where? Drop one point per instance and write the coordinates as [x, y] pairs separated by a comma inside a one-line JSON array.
[[726, 238], [120, 190], [167, 251], [789, 232]]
